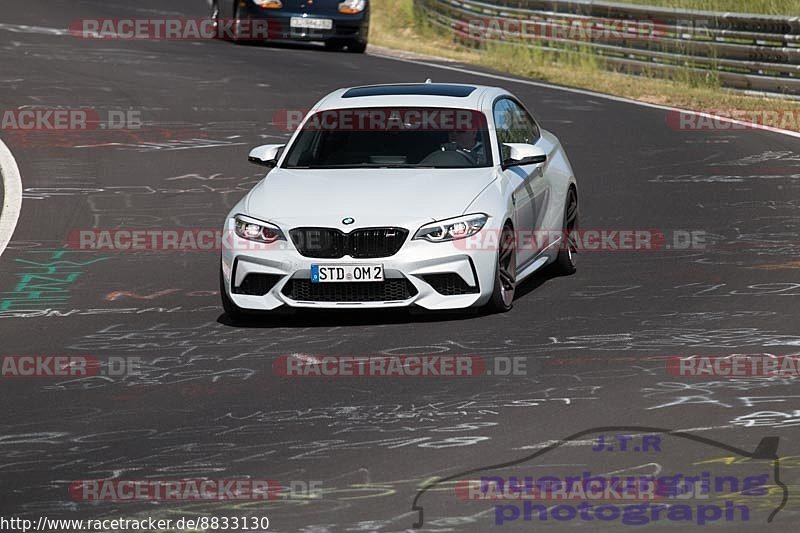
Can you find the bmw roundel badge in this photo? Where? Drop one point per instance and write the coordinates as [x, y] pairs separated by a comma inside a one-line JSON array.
[[348, 220]]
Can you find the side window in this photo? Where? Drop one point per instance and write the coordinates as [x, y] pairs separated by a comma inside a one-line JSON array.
[[504, 122], [527, 129], [514, 125], [532, 127]]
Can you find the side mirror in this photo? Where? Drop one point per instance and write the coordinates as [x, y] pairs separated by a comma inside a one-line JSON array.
[[265, 155], [524, 154]]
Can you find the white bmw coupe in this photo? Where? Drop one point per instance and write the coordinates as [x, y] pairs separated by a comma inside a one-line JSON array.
[[441, 196]]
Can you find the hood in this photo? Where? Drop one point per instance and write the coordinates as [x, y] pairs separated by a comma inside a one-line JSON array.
[[374, 197]]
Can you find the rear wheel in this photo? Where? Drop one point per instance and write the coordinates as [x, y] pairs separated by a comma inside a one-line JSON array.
[[505, 278], [565, 263]]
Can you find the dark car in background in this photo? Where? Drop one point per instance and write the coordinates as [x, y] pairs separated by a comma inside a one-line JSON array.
[[340, 24]]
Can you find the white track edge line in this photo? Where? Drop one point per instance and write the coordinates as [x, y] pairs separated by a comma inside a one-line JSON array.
[[593, 94], [12, 196]]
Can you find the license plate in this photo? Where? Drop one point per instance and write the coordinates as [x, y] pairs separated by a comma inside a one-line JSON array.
[[311, 23], [343, 273]]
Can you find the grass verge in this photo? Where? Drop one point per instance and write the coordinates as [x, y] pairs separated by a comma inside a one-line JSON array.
[[395, 25], [762, 7]]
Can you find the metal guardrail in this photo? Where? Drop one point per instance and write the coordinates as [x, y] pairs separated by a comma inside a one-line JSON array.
[[746, 52]]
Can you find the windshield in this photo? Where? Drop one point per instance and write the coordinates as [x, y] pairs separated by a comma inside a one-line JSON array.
[[397, 137]]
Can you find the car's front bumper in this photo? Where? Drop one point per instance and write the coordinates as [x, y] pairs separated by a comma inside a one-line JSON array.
[[346, 28], [439, 276]]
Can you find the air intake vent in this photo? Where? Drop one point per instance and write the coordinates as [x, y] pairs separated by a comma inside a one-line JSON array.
[[257, 284], [449, 284], [389, 290]]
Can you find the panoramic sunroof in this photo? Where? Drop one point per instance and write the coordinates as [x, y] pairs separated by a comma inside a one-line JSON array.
[[424, 89]]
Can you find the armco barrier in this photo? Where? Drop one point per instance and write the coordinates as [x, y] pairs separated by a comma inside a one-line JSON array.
[[747, 52]]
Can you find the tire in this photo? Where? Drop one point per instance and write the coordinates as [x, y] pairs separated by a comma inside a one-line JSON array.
[[565, 263], [233, 311], [234, 34], [214, 16], [215, 13], [505, 277], [357, 47]]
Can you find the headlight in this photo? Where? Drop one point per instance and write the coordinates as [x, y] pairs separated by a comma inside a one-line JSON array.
[[268, 4], [351, 7], [256, 230], [452, 228]]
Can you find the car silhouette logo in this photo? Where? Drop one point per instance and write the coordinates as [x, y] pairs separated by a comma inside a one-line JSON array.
[[348, 220]]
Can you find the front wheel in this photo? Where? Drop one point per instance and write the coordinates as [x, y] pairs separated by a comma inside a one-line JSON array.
[[505, 278], [357, 47], [565, 262], [354, 46], [232, 32], [215, 17]]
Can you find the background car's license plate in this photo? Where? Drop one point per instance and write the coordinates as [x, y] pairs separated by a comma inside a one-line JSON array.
[[316, 24], [337, 273]]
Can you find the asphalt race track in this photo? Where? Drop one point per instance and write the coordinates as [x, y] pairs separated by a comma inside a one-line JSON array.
[[209, 404]]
